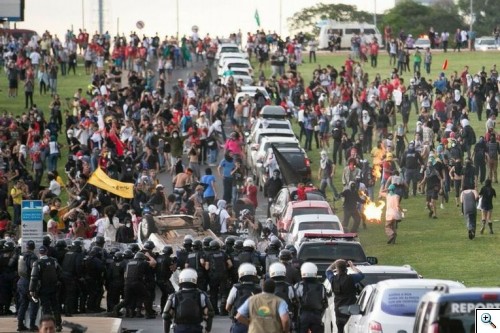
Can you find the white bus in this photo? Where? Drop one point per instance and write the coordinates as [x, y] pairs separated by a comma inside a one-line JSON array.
[[332, 30]]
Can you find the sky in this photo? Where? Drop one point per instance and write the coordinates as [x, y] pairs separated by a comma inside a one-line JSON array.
[[217, 17]]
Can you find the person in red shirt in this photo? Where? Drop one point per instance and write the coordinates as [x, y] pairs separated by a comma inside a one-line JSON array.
[[301, 192], [374, 53], [250, 191]]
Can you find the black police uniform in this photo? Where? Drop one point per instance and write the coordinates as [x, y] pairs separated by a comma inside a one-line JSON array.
[[135, 289], [193, 261], [8, 267], [312, 303], [24, 266], [45, 277], [218, 277], [94, 277], [115, 282], [164, 272], [72, 273]]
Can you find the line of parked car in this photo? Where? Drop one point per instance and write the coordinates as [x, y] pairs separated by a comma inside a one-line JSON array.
[[392, 299]]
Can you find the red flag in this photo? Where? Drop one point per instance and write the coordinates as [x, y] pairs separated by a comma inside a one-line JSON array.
[[445, 65]]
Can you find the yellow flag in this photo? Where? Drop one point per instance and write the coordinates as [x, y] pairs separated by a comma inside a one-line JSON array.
[[103, 181]]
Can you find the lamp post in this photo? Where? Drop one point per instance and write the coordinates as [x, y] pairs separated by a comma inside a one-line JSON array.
[[177, 17], [375, 13]]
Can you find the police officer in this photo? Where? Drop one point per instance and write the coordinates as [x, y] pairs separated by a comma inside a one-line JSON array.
[[150, 282], [250, 255], [115, 280], [292, 273], [134, 247], [165, 267], [411, 163], [128, 255], [218, 267], [272, 252], [343, 287], [198, 261], [188, 307], [72, 273], [94, 268], [47, 242], [283, 289], [45, 277], [60, 250], [24, 266], [295, 262], [233, 251], [271, 189], [312, 299], [351, 200], [182, 254], [240, 292], [135, 289], [8, 268]]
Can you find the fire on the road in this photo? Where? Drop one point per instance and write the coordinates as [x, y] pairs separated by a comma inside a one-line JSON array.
[[373, 211]]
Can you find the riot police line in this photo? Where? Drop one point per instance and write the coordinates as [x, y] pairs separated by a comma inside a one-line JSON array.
[[68, 280]]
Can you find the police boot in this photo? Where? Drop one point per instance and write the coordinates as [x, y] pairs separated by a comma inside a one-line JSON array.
[[483, 225], [21, 327], [490, 225]]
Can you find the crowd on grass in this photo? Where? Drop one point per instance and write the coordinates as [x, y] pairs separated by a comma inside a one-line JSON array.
[[132, 128]]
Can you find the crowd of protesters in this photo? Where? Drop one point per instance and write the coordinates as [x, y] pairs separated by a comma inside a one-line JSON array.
[[133, 129]]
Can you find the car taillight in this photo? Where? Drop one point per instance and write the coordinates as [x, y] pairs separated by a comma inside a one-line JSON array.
[[375, 327], [434, 328], [308, 163], [489, 297]]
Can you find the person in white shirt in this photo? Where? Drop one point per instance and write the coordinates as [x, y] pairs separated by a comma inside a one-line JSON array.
[[223, 216], [54, 189], [107, 225], [35, 59]]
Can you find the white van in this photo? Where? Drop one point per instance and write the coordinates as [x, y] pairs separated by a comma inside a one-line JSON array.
[[347, 30]]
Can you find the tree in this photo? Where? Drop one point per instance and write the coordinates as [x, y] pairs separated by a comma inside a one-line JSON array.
[[417, 19], [485, 12], [307, 18]]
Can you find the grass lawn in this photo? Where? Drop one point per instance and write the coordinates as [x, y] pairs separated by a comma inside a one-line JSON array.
[[435, 248]]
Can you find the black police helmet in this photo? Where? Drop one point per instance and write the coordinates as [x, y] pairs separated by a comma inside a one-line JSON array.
[[197, 245], [30, 245], [61, 244], [99, 240], [275, 244], [77, 244], [140, 256], [214, 245], [149, 245], [206, 241], [292, 249], [128, 254], [9, 245], [285, 255], [167, 250], [114, 250], [238, 245], [188, 243], [46, 241], [229, 242], [134, 247], [118, 256]]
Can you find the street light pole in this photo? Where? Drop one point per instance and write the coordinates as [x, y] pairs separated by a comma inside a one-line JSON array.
[[375, 14], [177, 10]]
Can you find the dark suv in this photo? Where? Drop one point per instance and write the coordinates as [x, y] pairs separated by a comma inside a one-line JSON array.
[[323, 250]]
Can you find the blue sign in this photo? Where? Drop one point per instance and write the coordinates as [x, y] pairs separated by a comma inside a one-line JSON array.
[[32, 221], [32, 211]]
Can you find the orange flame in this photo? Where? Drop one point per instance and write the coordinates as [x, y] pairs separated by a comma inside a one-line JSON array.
[[373, 211]]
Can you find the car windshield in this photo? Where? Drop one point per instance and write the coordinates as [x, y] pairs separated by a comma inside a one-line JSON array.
[[310, 210], [402, 302], [376, 277], [281, 125], [239, 65], [332, 251], [229, 49], [242, 73], [319, 225], [487, 42], [295, 158]]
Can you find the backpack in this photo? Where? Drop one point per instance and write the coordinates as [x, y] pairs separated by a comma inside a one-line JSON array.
[[215, 224], [188, 308], [312, 296], [281, 290], [218, 269], [336, 133], [243, 292]]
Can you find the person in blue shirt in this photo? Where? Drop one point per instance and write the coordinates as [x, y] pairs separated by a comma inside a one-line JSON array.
[[210, 193], [224, 169], [343, 287]]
